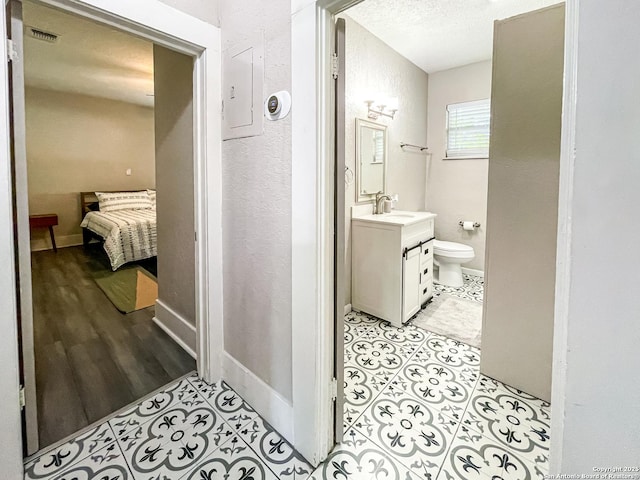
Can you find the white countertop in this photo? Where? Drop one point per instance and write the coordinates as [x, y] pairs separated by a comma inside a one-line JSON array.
[[397, 217]]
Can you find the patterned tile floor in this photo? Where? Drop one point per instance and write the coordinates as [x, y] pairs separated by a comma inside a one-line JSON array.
[[417, 407], [191, 430], [473, 288]]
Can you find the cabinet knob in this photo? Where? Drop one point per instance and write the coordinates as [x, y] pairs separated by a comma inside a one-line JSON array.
[[425, 290], [426, 251], [426, 270]]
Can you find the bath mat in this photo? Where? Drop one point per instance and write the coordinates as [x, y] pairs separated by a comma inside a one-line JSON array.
[[452, 317], [129, 289]]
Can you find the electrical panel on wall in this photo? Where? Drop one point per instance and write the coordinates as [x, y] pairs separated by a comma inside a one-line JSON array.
[[242, 90]]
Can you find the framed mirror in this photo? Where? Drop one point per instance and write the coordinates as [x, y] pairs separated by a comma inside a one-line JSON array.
[[371, 159]]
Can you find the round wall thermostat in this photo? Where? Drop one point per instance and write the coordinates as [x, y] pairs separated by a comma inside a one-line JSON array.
[[277, 105]]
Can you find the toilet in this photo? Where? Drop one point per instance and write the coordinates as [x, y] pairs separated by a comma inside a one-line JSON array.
[[449, 256]]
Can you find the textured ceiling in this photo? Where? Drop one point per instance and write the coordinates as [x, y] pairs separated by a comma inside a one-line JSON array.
[[439, 34], [88, 58]]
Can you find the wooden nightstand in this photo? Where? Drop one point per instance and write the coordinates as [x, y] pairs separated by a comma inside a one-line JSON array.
[[48, 220]]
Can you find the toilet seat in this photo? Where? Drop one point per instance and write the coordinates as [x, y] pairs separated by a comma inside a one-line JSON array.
[[452, 249]]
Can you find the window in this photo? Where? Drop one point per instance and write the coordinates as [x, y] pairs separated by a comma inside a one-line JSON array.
[[468, 129]]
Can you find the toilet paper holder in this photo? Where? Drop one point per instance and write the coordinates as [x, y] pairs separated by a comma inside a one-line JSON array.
[[475, 224]]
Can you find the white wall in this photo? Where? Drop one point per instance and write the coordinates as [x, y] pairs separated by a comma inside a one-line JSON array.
[[257, 212], [205, 10], [457, 189], [77, 143], [183, 285], [175, 307], [372, 66], [596, 419]]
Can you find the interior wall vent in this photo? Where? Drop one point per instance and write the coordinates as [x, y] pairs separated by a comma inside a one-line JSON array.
[[41, 34]]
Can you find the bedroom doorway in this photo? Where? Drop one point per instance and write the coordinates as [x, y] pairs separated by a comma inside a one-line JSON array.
[[107, 113]]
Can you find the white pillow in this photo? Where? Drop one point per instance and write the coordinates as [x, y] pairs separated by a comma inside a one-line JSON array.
[[110, 202], [152, 196]]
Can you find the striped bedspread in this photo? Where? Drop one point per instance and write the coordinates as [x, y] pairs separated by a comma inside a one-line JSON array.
[[129, 235]]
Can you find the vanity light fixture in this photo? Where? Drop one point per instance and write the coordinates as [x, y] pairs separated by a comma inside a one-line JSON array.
[[386, 108]]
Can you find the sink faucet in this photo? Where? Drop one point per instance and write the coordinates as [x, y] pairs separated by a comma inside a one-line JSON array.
[[376, 206]]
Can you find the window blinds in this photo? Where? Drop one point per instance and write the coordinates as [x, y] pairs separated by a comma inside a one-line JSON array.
[[468, 129]]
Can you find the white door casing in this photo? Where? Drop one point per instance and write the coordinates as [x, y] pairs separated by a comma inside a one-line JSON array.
[[10, 418], [312, 256], [21, 212]]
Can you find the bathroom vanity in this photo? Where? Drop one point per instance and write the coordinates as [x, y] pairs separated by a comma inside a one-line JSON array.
[[392, 264]]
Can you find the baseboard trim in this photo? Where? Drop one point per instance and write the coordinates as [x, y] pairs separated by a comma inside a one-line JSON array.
[[176, 326], [271, 406], [44, 243], [347, 308], [471, 271]]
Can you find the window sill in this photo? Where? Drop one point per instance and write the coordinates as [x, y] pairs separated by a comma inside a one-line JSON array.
[[466, 158]]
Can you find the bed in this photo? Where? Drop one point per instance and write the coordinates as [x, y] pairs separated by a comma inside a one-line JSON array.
[[129, 234]]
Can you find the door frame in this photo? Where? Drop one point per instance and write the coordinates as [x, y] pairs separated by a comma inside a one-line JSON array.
[[312, 195], [181, 32], [312, 235], [21, 221]]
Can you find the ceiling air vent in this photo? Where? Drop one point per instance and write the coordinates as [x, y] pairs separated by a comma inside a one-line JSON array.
[[41, 34]]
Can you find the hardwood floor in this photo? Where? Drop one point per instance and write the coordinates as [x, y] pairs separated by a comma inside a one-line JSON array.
[[91, 360]]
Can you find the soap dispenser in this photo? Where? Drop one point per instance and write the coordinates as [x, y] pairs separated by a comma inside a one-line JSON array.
[[394, 201]]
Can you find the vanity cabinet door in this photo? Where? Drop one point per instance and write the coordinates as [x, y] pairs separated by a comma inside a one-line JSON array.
[[411, 284]]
